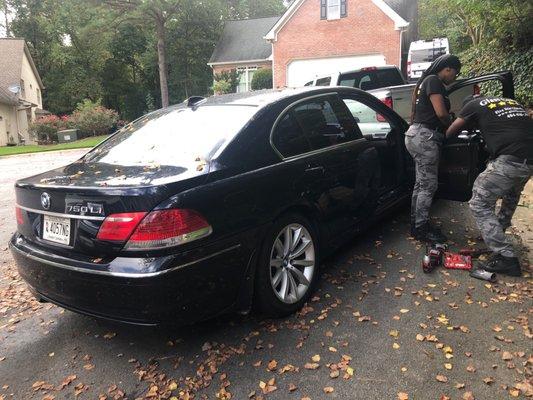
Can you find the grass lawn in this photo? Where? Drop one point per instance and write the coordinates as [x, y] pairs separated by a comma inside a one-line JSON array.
[[34, 148]]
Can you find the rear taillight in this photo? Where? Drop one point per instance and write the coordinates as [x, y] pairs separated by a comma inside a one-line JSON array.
[[166, 228], [369, 69], [119, 227], [388, 102], [409, 68], [20, 217]]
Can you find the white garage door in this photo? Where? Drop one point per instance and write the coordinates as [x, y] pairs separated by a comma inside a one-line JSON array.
[[300, 72]]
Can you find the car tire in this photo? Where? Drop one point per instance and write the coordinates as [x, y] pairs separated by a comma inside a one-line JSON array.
[[287, 272]]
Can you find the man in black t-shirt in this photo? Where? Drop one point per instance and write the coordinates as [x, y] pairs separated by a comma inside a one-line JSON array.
[[508, 134]]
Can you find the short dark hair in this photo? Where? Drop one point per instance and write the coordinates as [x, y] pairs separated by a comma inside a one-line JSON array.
[[469, 98]]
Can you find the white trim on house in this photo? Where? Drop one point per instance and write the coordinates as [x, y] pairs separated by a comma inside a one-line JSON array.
[[272, 35], [399, 22], [265, 60]]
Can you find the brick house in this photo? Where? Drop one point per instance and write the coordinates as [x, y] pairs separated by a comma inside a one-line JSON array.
[[315, 37]]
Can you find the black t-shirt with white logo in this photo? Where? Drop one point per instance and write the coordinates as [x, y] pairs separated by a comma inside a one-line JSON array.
[[424, 111], [504, 124]]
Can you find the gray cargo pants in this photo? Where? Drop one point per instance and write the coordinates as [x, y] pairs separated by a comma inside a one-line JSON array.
[[503, 179], [424, 145]]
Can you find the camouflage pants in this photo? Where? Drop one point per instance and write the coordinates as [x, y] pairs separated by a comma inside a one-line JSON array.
[[424, 146], [503, 179]]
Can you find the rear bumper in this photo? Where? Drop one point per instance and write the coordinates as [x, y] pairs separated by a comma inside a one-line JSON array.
[[181, 288]]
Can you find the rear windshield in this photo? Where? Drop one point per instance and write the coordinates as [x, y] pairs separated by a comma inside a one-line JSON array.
[[426, 55], [372, 79], [174, 137]]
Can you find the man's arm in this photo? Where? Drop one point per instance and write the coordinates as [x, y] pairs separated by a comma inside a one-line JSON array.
[[456, 127]]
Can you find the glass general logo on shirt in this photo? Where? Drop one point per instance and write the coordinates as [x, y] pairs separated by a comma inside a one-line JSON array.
[[495, 102]]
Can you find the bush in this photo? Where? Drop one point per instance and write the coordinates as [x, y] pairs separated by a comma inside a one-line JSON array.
[[483, 60], [230, 77], [92, 119], [44, 129], [262, 79], [221, 87]]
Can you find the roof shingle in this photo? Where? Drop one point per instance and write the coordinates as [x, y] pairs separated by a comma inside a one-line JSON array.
[[242, 40]]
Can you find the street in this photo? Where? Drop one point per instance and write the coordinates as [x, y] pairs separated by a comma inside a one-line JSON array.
[[377, 328]]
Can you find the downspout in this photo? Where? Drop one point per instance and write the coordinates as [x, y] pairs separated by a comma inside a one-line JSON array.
[[402, 30]]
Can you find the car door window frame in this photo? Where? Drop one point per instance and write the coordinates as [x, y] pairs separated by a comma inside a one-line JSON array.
[[378, 106], [290, 109]]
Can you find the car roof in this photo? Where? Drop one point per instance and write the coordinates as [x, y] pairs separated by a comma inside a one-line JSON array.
[[259, 98]]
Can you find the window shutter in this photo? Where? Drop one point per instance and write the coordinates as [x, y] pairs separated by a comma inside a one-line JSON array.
[[343, 9], [323, 9]]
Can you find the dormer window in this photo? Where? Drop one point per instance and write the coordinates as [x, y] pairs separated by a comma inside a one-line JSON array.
[[332, 9]]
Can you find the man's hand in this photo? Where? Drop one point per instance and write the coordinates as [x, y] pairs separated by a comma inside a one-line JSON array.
[[456, 127]]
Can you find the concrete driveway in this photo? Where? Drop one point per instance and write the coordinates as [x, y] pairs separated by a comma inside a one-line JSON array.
[[378, 328], [21, 166]]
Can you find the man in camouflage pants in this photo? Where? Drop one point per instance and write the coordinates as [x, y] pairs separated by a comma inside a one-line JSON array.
[[508, 134]]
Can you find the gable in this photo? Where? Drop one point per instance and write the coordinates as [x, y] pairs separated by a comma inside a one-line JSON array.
[[383, 5], [12, 53]]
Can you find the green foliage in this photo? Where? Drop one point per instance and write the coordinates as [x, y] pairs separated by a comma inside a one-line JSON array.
[[222, 87], [231, 77], [107, 49], [262, 79], [92, 119], [487, 59], [478, 22]]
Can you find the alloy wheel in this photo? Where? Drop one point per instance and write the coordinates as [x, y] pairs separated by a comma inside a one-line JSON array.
[[292, 263]]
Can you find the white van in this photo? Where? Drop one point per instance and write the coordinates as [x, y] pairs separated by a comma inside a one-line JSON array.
[[422, 53]]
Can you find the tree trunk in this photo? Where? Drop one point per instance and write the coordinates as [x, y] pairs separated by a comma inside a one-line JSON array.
[[162, 60], [7, 21]]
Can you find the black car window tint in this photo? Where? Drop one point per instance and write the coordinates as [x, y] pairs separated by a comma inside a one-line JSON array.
[[323, 81], [388, 77], [288, 137], [358, 80], [323, 122], [371, 123]]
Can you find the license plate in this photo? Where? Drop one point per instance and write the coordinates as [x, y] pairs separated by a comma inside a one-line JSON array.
[[56, 229]]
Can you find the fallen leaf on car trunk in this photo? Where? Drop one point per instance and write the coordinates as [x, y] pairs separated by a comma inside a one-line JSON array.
[[403, 396], [328, 389], [441, 378]]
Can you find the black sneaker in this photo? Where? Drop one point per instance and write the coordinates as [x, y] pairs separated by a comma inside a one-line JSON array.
[[503, 265], [425, 233], [482, 263]]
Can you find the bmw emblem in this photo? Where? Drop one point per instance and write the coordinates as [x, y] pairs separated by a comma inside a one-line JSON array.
[[45, 201]]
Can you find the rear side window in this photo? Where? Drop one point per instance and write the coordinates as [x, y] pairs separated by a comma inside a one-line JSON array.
[[374, 79], [289, 138], [173, 137], [323, 81], [427, 55]]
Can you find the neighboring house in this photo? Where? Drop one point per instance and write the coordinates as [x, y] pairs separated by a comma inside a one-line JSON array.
[[243, 48], [20, 92], [317, 37]]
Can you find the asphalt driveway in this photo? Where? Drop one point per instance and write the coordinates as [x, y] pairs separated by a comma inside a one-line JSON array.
[[378, 328]]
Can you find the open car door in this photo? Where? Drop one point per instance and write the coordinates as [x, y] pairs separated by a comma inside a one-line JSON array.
[[463, 158]]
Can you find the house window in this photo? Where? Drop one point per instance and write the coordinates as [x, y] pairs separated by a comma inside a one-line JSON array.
[[333, 9], [22, 88], [245, 79]]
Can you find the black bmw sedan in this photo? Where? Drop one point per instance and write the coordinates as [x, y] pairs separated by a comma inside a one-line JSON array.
[[215, 204]]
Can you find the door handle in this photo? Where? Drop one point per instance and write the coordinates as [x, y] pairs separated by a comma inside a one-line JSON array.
[[315, 170]]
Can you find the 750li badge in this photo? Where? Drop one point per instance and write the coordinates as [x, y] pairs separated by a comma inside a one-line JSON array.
[[85, 209]]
